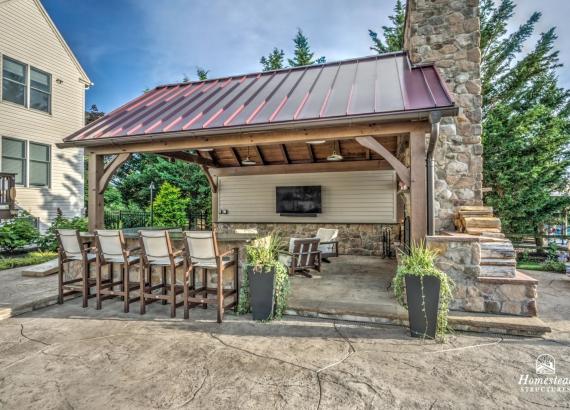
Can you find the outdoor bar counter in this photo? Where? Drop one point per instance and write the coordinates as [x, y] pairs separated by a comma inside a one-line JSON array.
[[226, 242]]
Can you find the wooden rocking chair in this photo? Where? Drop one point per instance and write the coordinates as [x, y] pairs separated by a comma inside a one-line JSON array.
[[304, 254]]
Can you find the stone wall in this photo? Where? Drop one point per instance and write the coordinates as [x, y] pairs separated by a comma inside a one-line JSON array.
[[446, 33], [460, 258], [354, 239]]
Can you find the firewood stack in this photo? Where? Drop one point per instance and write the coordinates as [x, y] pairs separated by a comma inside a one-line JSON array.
[[478, 220]]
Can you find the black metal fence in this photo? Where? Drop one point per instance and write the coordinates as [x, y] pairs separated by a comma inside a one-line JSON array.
[[198, 220]]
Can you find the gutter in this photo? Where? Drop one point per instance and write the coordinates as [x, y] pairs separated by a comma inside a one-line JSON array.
[[434, 119], [417, 115]]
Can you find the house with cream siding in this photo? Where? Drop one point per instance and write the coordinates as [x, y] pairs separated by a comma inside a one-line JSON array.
[[42, 99]]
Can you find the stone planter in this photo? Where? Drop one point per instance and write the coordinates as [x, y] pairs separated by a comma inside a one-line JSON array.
[[261, 292], [422, 324]]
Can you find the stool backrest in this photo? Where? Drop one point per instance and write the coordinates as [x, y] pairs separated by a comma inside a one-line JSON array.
[[201, 246], [69, 243], [155, 244], [110, 243], [304, 251]]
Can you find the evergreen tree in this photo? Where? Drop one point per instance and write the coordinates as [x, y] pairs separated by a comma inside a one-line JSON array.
[[202, 74], [526, 123], [393, 35], [274, 60], [170, 207], [303, 54]]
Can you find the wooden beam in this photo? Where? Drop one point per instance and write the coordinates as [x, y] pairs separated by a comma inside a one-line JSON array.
[[258, 152], [95, 202], [183, 141], [311, 153], [343, 166], [284, 153], [371, 143], [211, 181], [236, 156], [418, 187], [110, 170], [186, 156]]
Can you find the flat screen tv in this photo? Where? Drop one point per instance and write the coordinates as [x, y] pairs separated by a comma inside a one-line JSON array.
[[298, 200]]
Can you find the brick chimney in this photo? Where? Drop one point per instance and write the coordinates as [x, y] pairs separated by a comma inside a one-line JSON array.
[[446, 33]]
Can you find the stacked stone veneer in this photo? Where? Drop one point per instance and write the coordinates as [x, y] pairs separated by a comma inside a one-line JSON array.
[[446, 33], [460, 258], [353, 239]]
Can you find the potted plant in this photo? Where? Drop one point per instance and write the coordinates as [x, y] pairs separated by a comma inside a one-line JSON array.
[[425, 291], [266, 283]]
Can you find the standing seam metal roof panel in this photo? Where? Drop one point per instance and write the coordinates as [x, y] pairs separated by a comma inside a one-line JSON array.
[[357, 87]]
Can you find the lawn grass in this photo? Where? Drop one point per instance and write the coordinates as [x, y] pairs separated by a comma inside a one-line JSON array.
[[26, 259], [541, 266]]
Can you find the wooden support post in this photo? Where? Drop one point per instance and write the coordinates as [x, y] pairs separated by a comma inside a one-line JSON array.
[[418, 187], [95, 200]]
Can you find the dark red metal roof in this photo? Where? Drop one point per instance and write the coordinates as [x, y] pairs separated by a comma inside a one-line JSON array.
[[380, 84]]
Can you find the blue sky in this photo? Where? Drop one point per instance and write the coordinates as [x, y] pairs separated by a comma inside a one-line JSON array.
[[129, 45]]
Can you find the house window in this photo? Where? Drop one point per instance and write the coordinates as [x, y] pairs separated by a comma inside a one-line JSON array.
[[14, 76], [40, 90], [39, 164], [14, 158]]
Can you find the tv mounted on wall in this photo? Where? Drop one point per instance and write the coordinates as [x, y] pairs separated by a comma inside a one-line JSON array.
[[298, 200]]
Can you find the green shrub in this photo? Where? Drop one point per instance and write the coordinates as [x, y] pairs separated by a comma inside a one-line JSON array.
[[17, 233], [552, 265], [170, 208], [32, 258], [48, 242]]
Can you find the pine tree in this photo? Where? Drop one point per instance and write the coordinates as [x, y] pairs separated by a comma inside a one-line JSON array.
[[526, 122], [170, 207], [274, 60], [303, 54], [393, 35], [202, 74]]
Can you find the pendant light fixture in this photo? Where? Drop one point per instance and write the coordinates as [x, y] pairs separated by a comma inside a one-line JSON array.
[[334, 156], [247, 160]]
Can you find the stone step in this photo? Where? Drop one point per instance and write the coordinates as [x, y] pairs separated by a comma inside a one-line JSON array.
[[495, 235], [498, 262], [482, 231], [481, 222], [502, 250], [497, 271], [473, 209], [43, 269]]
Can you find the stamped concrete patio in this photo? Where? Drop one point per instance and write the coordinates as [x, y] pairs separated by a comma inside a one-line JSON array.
[[70, 357]]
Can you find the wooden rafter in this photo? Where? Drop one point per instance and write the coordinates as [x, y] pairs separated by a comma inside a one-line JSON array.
[[186, 156], [236, 156], [310, 152], [259, 154], [285, 154], [371, 143], [110, 170]]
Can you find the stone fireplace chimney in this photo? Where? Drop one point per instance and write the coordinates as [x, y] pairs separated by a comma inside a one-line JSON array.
[[446, 33]]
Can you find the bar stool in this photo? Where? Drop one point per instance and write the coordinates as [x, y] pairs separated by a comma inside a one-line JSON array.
[[156, 250], [202, 252], [112, 249], [72, 249]]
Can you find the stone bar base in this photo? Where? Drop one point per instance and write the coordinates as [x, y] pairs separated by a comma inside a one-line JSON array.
[[353, 239], [460, 258]]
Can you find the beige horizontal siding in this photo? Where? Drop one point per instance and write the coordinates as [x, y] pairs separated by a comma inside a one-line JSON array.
[[26, 36], [347, 197]]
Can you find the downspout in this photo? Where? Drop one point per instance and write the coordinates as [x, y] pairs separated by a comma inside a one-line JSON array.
[[434, 119]]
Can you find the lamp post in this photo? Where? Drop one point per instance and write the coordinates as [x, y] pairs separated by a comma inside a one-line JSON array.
[[151, 187]]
